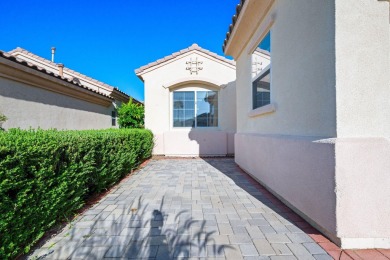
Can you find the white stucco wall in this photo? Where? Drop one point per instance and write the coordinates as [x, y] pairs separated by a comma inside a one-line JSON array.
[[161, 80], [363, 123], [303, 76], [363, 68], [27, 106], [325, 149]]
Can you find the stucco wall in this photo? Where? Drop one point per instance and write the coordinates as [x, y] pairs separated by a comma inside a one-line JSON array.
[[159, 82], [363, 68], [303, 76], [300, 171], [330, 78], [363, 193], [27, 106]]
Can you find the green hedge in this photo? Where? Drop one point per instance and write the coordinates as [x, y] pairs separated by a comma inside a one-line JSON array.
[[45, 176]]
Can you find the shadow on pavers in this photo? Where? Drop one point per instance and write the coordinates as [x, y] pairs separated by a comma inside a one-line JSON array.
[[137, 230]]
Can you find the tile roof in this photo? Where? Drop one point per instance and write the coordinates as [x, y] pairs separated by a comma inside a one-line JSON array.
[[183, 51], [231, 26], [79, 75], [265, 52], [12, 58]]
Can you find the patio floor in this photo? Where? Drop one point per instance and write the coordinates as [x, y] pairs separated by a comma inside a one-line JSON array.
[[192, 209]]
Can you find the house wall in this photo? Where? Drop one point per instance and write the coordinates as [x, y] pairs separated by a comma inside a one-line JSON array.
[[363, 122], [159, 84], [325, 149], [281, 148], [302, 46], [27, 106], [363, 68]]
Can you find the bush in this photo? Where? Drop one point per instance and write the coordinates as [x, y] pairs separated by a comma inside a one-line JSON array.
[[45, 176], [3, 118], [131, 115]]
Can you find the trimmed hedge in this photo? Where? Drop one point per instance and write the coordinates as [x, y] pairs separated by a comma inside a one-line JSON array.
[[45, 176]]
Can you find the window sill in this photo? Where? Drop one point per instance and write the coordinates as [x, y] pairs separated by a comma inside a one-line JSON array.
[[187, 129], [270, 108]]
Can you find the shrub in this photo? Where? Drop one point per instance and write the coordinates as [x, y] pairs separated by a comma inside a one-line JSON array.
[[45, 176], [131, 115], [3, 118]]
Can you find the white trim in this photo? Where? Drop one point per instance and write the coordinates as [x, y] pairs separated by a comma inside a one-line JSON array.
[[195, 80], [270, 108], [354, 243], [181, 56]]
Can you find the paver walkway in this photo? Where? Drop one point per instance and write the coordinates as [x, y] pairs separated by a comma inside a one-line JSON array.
[[186, 208]]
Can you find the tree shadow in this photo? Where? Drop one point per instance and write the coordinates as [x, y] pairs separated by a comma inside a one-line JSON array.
[[134, 230]]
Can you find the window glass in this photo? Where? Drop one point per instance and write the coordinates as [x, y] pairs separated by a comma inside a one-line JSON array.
[[195, 109], [261, 73], [113, 118], [207, 108], [261, 90], [183, 108]]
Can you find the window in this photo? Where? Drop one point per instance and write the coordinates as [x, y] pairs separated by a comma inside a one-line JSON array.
[[262, 90], [113, 118], [195, 109], [261, 73]]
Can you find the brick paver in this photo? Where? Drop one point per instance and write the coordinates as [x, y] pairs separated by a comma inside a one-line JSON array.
[[187, 208]]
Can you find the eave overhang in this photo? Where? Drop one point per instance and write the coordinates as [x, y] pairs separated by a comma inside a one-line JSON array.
[[24, 74], [248, 17]]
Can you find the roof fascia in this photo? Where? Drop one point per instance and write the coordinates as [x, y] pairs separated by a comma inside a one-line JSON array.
[[245, 27], [29, 76], [164, 63]]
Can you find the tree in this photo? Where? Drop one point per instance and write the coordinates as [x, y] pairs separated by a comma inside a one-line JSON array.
[[131, 115]]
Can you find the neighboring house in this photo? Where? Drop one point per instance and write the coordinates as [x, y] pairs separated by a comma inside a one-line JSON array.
[[190, 103], [314, 125], [35, 92]]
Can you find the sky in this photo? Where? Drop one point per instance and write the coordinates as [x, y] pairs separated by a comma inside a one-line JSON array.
[[108, 40]]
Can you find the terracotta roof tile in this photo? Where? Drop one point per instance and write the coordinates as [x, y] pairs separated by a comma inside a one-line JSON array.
[[9, 57], [183, 51], [231, 26], [81, 76]]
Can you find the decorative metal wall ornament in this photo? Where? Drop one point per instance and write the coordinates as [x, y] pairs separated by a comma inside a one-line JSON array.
[[194, 66], [257, 66]]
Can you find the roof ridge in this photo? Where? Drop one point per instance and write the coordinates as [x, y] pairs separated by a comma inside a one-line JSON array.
[[12, 58], [193, 47], [19, 49]]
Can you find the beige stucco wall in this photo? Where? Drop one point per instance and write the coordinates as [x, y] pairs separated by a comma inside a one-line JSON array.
[[161, 80], [27, 106]]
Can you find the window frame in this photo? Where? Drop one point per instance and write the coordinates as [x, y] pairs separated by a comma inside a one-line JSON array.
[[262, 74], [271, 107], [192, 89]]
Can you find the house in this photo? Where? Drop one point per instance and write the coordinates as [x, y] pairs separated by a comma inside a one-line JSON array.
[[190, 103], [313, 126], [35, 92]]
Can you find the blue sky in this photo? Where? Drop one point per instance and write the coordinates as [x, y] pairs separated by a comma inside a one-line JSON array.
[[107, 40]]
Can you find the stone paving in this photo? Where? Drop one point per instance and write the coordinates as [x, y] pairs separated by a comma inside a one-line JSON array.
[[186, 209]]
